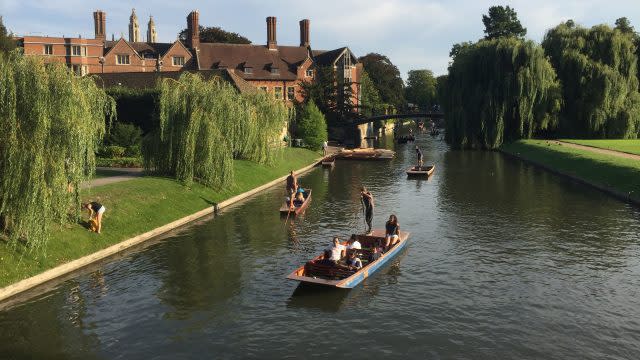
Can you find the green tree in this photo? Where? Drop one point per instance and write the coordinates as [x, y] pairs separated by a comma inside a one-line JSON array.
[[598, 71], [371, 101], [385, 77], [332, 95], [502, 21], [457, 48], [624, 26], [441, 86], [215, 34], [499, 90], [421, 88], [312, 126], [6, 39], [51, 123]]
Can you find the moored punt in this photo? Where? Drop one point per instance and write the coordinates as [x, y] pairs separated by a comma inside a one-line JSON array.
[[329, 161], [421, 171], [366, 154], [340, 277], [284, 209]]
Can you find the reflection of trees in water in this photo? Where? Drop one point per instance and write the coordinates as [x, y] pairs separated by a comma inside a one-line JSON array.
[[497, 199]]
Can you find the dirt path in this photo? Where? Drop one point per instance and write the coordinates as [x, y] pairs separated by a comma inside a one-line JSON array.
[[599, 150], [127, 174]]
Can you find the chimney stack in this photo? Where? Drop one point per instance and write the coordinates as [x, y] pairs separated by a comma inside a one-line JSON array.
[[193, 30], [272, 44], [304, 32], [99, 23]]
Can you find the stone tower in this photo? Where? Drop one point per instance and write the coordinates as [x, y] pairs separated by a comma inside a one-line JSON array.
[[134, 28], [151, 31]]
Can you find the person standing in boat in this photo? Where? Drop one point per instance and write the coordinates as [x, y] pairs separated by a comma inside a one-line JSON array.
[[392, 232], [419, 156], [367, 203], [292, 187], [325, 148]]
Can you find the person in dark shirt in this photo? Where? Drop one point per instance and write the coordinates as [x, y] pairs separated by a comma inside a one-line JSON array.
[[419, 156], [326, 259], [375, 254], [292, 187], [367, 202], [95, 210], [392, 232]]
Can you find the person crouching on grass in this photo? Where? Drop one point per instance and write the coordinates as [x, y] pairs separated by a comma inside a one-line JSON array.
[[96, 210]]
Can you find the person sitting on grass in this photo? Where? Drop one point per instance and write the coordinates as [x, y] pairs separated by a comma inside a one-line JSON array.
[[96, 210], [353, 262]]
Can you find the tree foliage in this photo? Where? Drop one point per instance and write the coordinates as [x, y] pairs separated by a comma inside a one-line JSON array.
[[385, 77], [598, 71], [502, 21], [312, 126], [421, 88], [6, 39], [499, 90], [624, 26], [371, 101], [51, 123], [204, 125], [215, 34], [332, 95]]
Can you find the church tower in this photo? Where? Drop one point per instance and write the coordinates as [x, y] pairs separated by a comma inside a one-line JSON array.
[[134, 29], [151, 31]]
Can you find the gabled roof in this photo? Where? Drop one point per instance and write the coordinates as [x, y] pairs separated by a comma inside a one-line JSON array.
[[327, 58], [258, 57], [109, 45], [156, 49]]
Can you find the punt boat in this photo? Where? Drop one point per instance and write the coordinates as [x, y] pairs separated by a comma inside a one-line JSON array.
[[366, 154], [339, 277], [297, 209], [329, 161], [421, 171]]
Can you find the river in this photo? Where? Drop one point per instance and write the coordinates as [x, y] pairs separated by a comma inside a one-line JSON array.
[[504, 261]]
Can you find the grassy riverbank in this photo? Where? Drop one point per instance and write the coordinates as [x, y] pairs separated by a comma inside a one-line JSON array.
[[627, 146], [135, 207], [614, 173]]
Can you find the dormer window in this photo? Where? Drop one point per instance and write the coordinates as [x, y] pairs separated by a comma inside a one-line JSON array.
[[248, 70], [275, 71]]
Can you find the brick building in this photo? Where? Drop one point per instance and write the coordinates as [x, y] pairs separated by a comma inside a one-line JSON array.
[[274, 68]]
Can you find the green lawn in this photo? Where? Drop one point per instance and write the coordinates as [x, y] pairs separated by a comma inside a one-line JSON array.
[[628, 146], [137, 206], [614, 172]]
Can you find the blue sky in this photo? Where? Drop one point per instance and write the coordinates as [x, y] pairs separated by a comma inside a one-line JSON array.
[[415, 34]]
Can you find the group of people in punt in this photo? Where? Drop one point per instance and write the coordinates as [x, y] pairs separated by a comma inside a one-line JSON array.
[[294, 191]]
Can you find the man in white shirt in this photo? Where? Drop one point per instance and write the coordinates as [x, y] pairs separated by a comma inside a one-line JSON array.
[[353, 243], [337, 250]]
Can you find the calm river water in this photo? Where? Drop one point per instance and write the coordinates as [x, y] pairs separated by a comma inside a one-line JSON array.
[[505, 261]]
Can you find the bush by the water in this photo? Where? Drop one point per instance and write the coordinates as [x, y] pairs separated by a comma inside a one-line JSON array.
[[51, 122], [499, 90], [312, 126], [204, 125]]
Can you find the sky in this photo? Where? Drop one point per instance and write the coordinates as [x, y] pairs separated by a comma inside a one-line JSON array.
[[414, 34]]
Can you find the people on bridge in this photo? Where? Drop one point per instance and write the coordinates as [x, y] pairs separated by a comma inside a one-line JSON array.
[[366, 198], [419, 156], [392, 232], [96, 210]]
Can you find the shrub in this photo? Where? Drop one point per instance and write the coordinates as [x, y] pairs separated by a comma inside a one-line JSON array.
[[133, 151], [125, 162], [312, 126], [112, 151], [125, 135]]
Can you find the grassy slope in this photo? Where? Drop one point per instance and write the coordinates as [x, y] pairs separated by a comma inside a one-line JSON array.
[[616, 173], [137, 206], [628, 146]]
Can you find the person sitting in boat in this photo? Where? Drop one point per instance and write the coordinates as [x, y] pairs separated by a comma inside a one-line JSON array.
[[375, 254], [337, 250], [392, 232], [353, 244], [353, 262], [326, 259], [299, 199]]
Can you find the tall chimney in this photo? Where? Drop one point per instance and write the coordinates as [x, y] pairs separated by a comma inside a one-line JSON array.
[[99, 23], [272, 44], [304, 32], [193, 30]]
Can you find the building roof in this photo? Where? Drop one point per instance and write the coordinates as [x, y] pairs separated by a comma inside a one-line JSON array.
[[148, 80], [329, 57], [142, 48], [259, 58]]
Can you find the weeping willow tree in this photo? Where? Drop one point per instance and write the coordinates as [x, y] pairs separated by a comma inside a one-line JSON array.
[[204, 125], [598, 71], [498, 90], [51, 123]]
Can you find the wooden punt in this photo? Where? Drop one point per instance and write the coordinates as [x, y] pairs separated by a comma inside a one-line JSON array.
[[329, 161], [366, 154], [335, 276], [284, 209], [422, 171]]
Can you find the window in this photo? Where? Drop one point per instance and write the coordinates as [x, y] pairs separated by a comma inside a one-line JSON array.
[[75, 50], [264, 88], [80, 70], [277, 92], [48, 49], [291, 93], [248, 70], [309, 73], [178, 61], [83, 51], [275, 71], [122, 59]]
